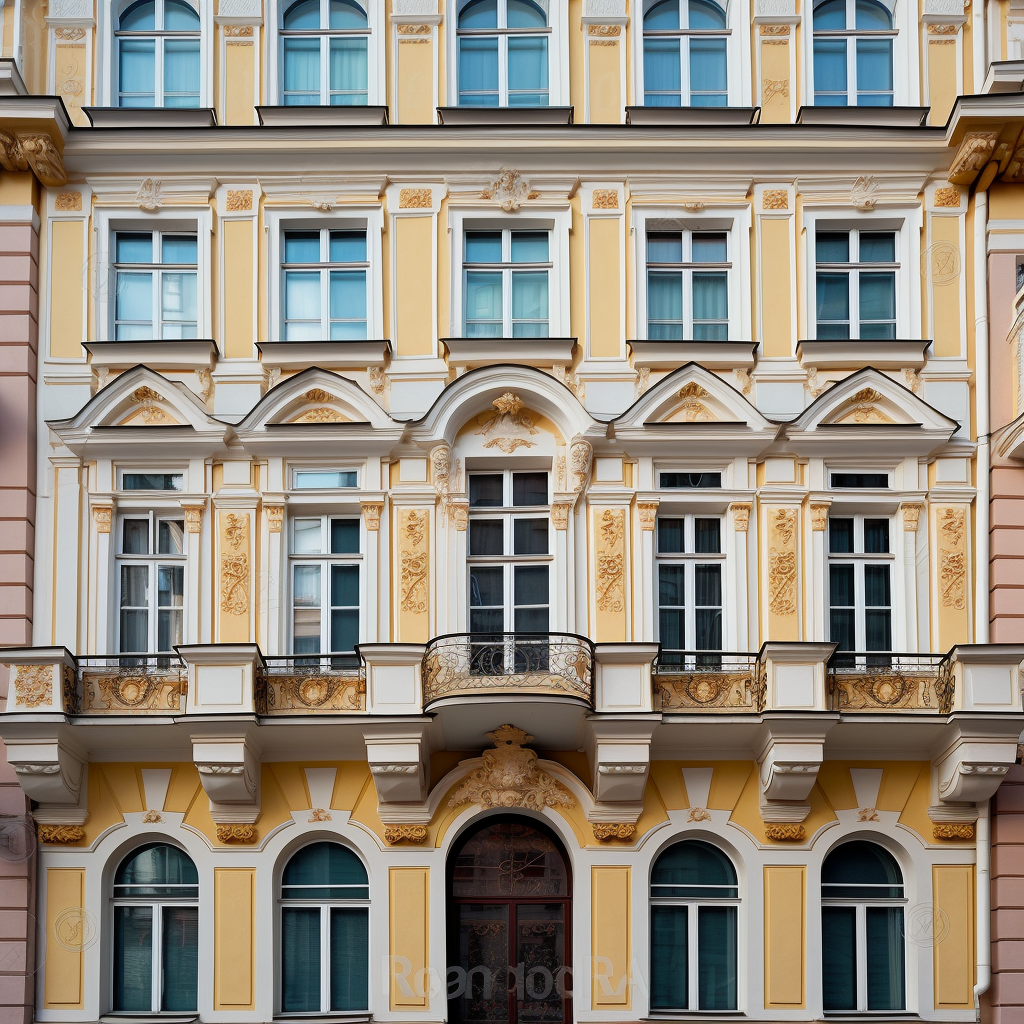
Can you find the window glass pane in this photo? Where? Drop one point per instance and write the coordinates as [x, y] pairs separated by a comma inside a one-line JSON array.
[[317, 478], [529, 489], [302, 82], [133, 959], [874, 72], [716, 958], [302, 247], [331, 870], [344, 629], [135, 536], [158, 869], [842, 631], [830, 72], [347, 63], [671, 594], [487, 586], [670, 536], [832, 247], [344, 536], [306, 601], [139, 18], [344, 589], [483, 304], [137, 72], [170, 589], [302, 303], [708, 83], [707, 536], [876, 536], [530, 295], [178, 305], [483, 246], [478, 71], [861, 870], [710, 297], [830, 15], [670, 960], [479, 14], [178, 249], [303, 15], [529, 247], [662, 73], [672, 626], [839, 958], [486, 537], [664, 247], [486, 491], [530, 537], [885, 958], [707, 586], [348, 247], [348, 295], [181, 958], [181, 73], [691, 479], [349, 958], [662, 16], [306, 537], [705, 15], [878, 630], [841, 586], [876, 586], [134, 300], [664, 302], [877, 247], [531, 584], [872, 16], [860, 480], [179, 17], [346, 14], [833, 298], [300, 959], [135, 587], [710, 248], [528, 71], [525, 14], [152, 482], [693, 869], [531, 620], [134, 248], [878, 296]]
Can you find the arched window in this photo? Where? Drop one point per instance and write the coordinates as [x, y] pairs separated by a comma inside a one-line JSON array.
[[156, 931], [693, 929], [503, 54], [158, 55], [862, 955], [325, 899], [324, 44], [684, 54], [853, 54]]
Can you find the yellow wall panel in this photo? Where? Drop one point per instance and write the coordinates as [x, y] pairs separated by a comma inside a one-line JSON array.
[[605, 275], [240, 81], [610, 936], [945, 287], [951, 587], [235, 577], [941, 78], [70, 80], [409, 925], [416, 80], [67, 273], [234, 955], [414, 335], [605, 83], [610, 558], [414, 569], [65, 897], [785, 944], [775, 81], [239, 263], [776, 288], [953, 892]]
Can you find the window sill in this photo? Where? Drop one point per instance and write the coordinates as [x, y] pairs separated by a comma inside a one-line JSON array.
[[321, 117], [714, 355], [875, 117], [330, 355], [151, 117], [157, 354], [692, 116], [163, 1016], [312, 1018], [855, 353], [507, 117], [471, 352]]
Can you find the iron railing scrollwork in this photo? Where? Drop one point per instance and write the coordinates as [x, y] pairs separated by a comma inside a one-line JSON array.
[[131, 684], [886, 681], [327, 683], [689, 681]]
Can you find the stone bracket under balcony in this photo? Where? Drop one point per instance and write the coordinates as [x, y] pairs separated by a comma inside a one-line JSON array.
[[397, 755], [791, 753], [974, 763], [229, 770], [619, 751], [50, 773]]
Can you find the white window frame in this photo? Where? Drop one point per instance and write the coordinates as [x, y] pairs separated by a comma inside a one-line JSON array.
[[906, 222], [737, 55], [175, 220], [734, 221], [325, 559], [558, 55], [108, 16], [362, 218], [376, 62], [557, 223], [906, 82]]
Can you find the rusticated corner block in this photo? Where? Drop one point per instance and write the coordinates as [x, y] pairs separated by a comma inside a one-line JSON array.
[[953, 830], [236, 834], [608, 832], [415, 834], [776, 833], [60, 835]]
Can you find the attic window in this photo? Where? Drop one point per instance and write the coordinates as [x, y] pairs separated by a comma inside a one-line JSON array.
[[153, 482], [878, 480], [691, 480], [315, 479]]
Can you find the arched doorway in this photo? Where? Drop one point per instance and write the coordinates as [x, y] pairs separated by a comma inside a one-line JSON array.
[[509, 916]]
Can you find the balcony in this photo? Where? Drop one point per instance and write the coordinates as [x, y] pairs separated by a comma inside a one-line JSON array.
[[881, 681], [708, 681], [133, 684], [319, 684], [507, 665]]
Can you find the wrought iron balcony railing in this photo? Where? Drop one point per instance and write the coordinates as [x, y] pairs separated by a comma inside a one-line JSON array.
[[132, 683], [301, 683], [886, 681], [466, 664], [694, 681]]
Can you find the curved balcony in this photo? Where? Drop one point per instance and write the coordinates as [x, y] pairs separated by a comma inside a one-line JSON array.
[[502, 665]]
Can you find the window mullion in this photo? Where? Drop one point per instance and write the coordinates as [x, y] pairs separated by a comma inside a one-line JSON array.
[[157, 947], [684, 70], [851, 71], [325, 69], [506, 302], [862, 957], [503, 70], [692, 956], [325, 958]]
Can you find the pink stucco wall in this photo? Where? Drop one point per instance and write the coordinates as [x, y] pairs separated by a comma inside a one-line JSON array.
[[1006, 996]]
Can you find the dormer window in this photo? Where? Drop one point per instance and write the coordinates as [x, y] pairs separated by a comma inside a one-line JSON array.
[[158, 55], [853, 54], [324, 51], [685, 54]]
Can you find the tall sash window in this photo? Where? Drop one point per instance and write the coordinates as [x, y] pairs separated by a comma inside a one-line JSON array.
[[685, 54], [853, 42], [158, 55], [324, 54]]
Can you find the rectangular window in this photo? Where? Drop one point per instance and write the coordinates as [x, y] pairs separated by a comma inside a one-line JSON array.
[[318, 479], [152, 481], [856, 284], [690, 480], [151, 577], [506, 279], [874, 480], [324, 285], [688, 285], [860, 585], [155, 281], [690, 563], [325, 556]]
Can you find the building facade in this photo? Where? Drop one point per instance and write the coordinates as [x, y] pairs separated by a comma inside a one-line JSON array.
[[526, 505]]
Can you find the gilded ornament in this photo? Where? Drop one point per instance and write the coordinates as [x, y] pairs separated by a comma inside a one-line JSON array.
[[414, 30], [323, 414], [606, 198], [20, 151], [694, 410], [238, 31], [415, 199], [604, 30], [459, 515], [144, 395], [819, 518], [774, 30], [911, 517], [782, 581], [699, 814], [740, 516], [378, 379], [513, 421], [317, 396], [775, 198], [947, 196], [975, 151], [947, 830], [560, 514], [887, 688], [33, 685], [611, 561], [511, 776], [867, 814], [239, 200], [744, 381], [68, 201], [194, 518], [275, 517], [236, 834], [913, 379], [643, 379], [614, 831], [772, 87], [317, 691], [234, 584], [70, 34], [952, 562], [648, 512], [236, 530], [152, 818], [704, 691], [135, 689], [319, 814], [415, 562], [777, 833], [72, 695], [102, 516], [415, 834], [371, 515], [60, 835], [943, 30], [581, 457]]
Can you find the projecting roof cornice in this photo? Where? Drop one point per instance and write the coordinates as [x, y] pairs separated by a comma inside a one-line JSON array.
[[986, 134], [33, 130]]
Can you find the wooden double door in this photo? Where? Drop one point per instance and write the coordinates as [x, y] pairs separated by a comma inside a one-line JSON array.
[[509, 916]]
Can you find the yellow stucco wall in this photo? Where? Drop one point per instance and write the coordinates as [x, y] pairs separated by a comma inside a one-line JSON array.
[[610, 937], [953, 927], [234, 953], [785, 940], [409, 935], [65, 897]]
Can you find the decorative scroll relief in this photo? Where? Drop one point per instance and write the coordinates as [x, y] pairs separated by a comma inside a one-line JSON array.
[[415, 834], [511, 777], [953, 830], [772, 87], [134, 689], [975, 151], [865, 409], [952, 557], [21, 151], [60, 835], [867, 814], [581, 458], [776, 833], [605, 198], [692, 408], [102, 516], [782, 562], [560, 515], [614, 831], [68, 202], [510, 190], [415, 198], [648, 512], [863, 195], [275, 517], [740, 516], [774, 198], [236, 31], [458, 515], [149, 195], [604, 30], [611, 560], [695, 691], [236, 834], [316, 692], [242, 199], [819, 518], [234, 568], [510, 426], [193, 518], [911, 517], [698, 814], [319, 814], [33, 685], [774, 30], [371, 515], [415, 561], [883, 690]]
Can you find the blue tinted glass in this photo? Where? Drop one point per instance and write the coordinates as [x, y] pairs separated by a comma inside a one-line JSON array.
[[830, 71], [833, 298], [137, 71], [134, 297], [709, 248], [878, 296], [530, 296], [478, 71], [348, 295], [345, 14], [302, 247], [347, 62], [303, 15], [664, 247], [133, 248], [524, 14], [483, 246], [179, 17], [878, 247], [528, 70], [479, 14], [707, 68], [139, 18], [704, 15], [662, 17], [529, 246], [664, 298], [874, 65], [301, 71], [832, 247], [348, 247], [830, 15], [179, 249], [662, 75], [686, 868], [870, 15], [181, 73]]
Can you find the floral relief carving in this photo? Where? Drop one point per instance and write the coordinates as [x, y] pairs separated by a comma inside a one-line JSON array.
[[194, 518], [101, 516], [510, 190], [60, 835], [275, 517], [784, 833], [947, 830], [775, 198], [68, 201], [867, 814], [234, 584], [952, 558], [371, 515], [70, 34], [322, 414], [241, 199], [694, 410], [740, 516], [414, 30], [948, 196], [148, 196], [698, 814], [319, 814], [819, 518], [614, 831], [611, 560], [236, 530], [648, 512], [20, 151], [33, 685], [560, 512], [377, 379], [943, 30], [581, 457], [415, 198], [511, 776], [782, 563], [415, 834], [911, 517], [145, 394], [134, 689], [604, 30], [458, 514], [774, 30], [152, 818], [238, 31], [415, 561], [975, 151], [772, 87], [606, 198], [513, 422], [236, 834]]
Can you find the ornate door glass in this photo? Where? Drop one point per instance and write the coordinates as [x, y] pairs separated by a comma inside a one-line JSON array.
[[509, 928]]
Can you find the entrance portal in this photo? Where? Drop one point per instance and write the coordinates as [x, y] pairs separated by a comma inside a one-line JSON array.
[[509, 913]]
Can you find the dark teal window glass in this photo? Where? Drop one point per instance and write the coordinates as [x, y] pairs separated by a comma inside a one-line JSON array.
[[670, 958], [839, 958], [325, 871]]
